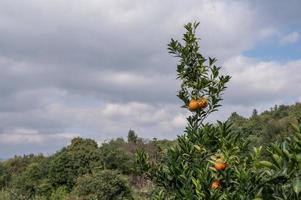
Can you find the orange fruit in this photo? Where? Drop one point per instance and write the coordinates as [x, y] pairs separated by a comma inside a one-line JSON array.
[[220, 166], [215, 184], [203, 102], [193, 105]]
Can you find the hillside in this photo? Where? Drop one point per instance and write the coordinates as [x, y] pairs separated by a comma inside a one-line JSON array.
[[269, 126]]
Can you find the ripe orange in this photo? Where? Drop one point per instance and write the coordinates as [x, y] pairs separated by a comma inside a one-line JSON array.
[[220, 166], [203, 102], [215, 184], [193, 105]]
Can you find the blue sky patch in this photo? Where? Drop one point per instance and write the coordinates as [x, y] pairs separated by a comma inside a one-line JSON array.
[[272, 49]]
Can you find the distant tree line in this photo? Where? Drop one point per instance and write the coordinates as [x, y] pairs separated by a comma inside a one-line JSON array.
[[82, 170]]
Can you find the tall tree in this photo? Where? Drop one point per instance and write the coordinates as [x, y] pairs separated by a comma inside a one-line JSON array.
[[132, 136]]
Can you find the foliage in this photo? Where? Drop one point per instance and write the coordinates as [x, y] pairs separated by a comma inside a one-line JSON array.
[[269, 126], [186, 174], [199, 79], [114, 156], [141, 162], [79, 158], [61, 193], [132, 137], [54, 177], [104, 185], [282, 171], [5, 195], [4, 177], [27, 183]]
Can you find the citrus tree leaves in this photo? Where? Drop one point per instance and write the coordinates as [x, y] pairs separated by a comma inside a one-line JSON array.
[[200, 76], [297, 186]]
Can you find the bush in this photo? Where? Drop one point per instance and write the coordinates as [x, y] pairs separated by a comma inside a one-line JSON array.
[[5, 195], [282, 170], [115, 157], [27, 184], [4, 177], [79, 158], [102, 185], [60, 193]]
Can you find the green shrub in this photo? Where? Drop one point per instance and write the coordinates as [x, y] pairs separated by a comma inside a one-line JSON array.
[[115, 157], [79, 158], [26, 184], [4, 176], [102, 185], [60, 193], [5, 195]]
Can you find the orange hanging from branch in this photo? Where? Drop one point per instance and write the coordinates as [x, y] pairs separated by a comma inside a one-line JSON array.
[[203, 102], [216, 184], [193, 105], [219, 166]]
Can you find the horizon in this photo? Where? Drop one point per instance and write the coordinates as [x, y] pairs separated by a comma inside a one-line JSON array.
[[99, 143]]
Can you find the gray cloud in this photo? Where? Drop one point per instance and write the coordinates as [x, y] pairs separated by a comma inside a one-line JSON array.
[[278, 13]]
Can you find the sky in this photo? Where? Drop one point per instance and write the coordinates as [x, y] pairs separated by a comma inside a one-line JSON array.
[[95, 69]]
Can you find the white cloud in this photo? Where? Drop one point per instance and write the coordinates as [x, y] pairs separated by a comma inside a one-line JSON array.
[[179, 120], [290, 38], [115, 119], [27, 136], [256, 82]]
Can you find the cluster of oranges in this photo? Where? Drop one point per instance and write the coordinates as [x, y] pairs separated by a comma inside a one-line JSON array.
[[196, 104], [219, 165]]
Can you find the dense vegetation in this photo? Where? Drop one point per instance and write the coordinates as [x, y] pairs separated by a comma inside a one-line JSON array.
[[243, 158], [270, 126], [82, 170]]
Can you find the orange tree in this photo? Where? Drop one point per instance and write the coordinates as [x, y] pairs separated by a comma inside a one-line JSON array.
[[212, 161]]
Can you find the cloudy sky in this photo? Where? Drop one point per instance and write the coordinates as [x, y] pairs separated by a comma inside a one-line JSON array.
[[99, 68]]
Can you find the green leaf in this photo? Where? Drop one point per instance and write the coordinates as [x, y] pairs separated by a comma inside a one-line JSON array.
[[296, 128], [277, 159], [266, 164], [197, 147], [297, 186]]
